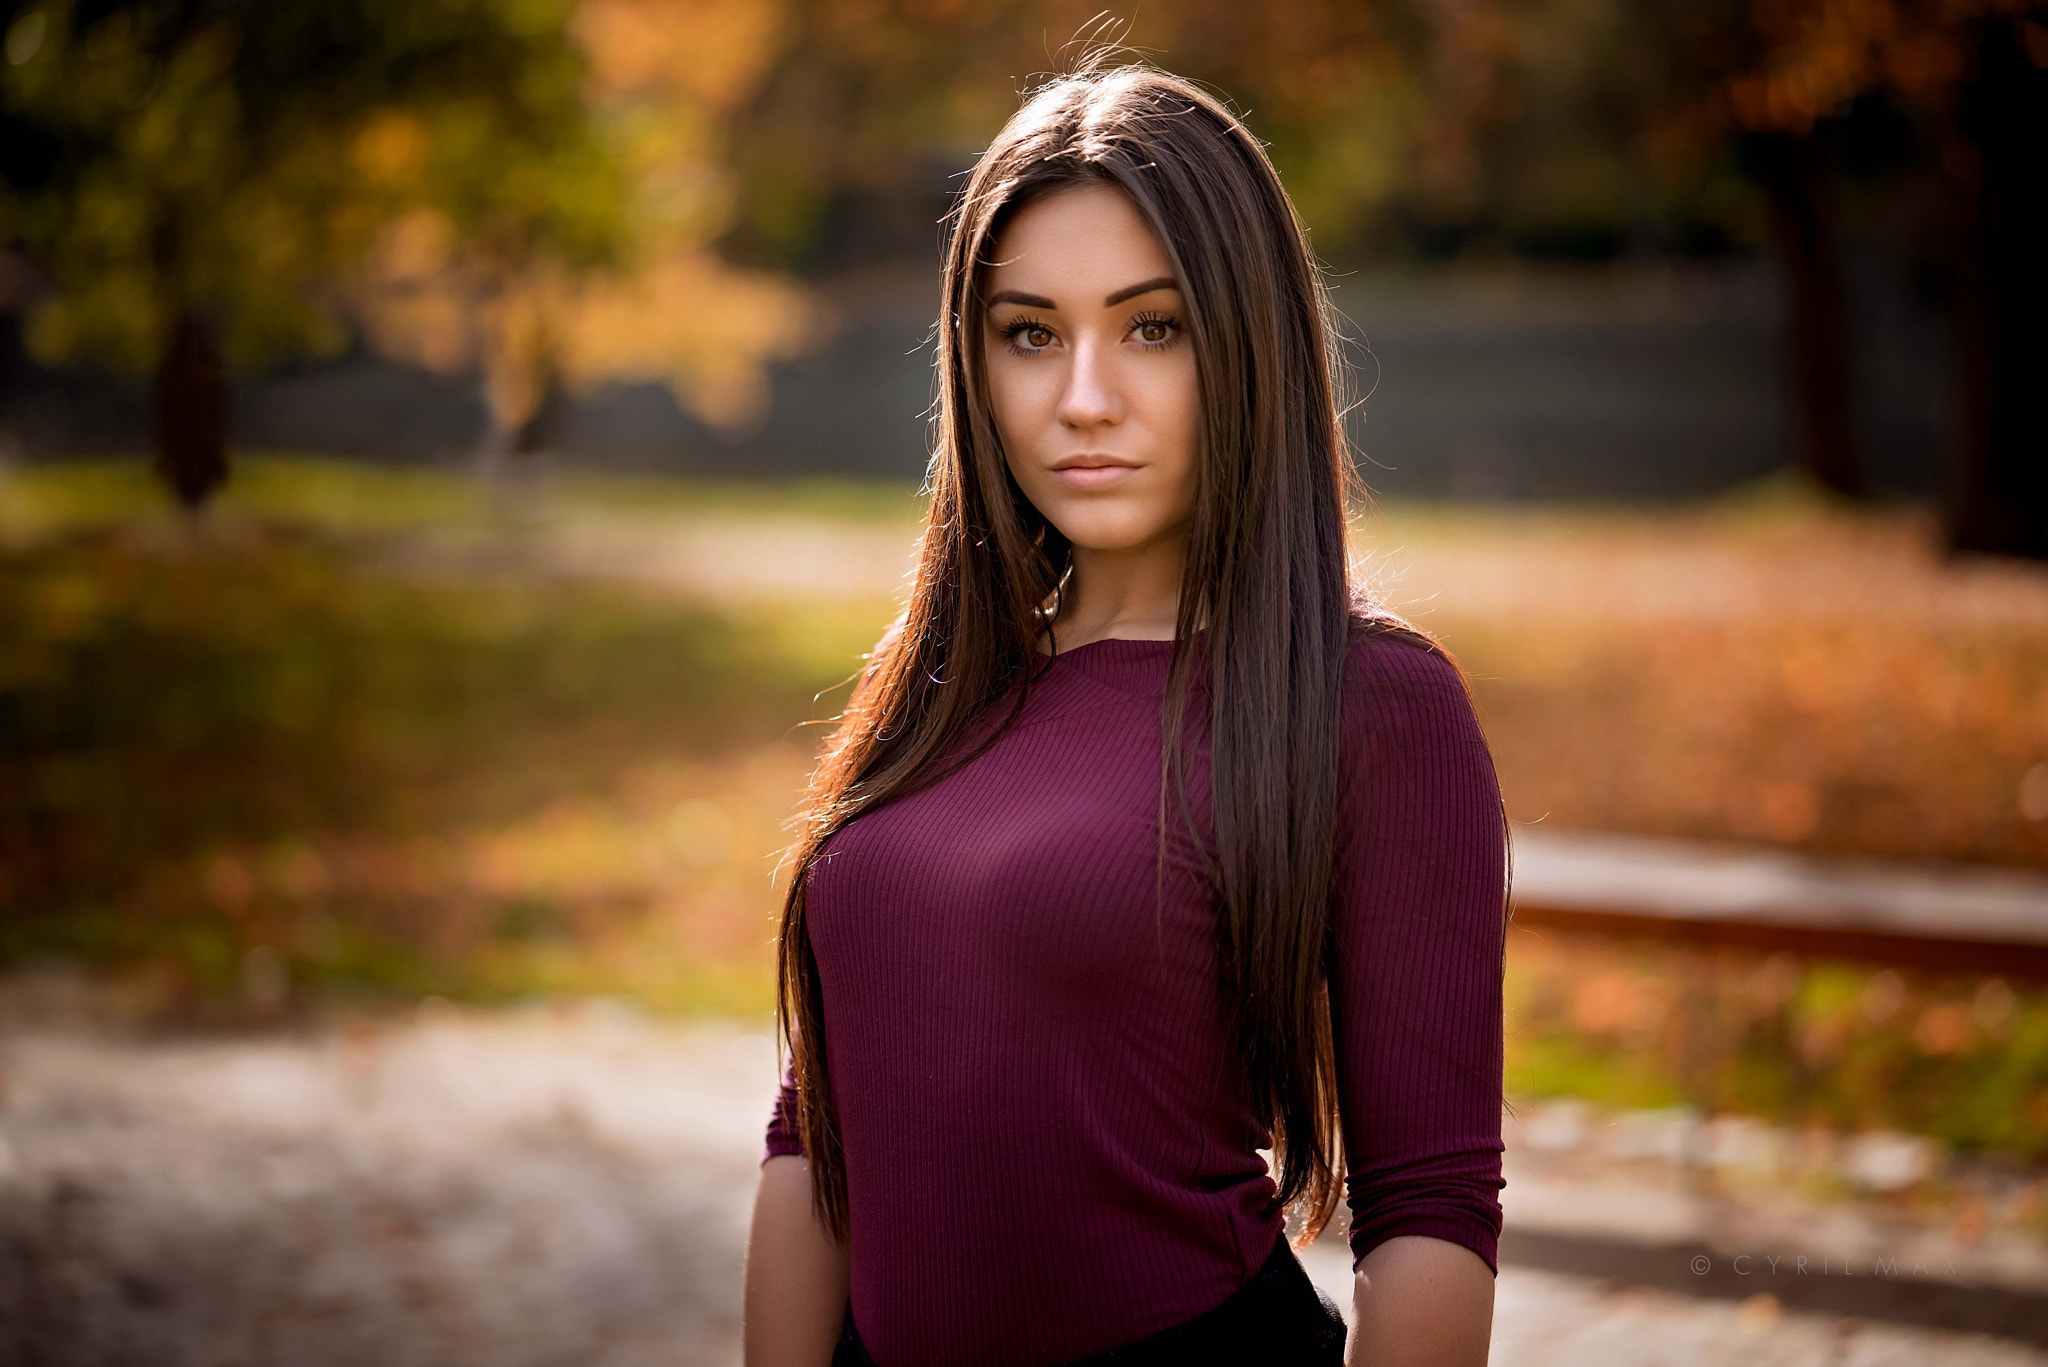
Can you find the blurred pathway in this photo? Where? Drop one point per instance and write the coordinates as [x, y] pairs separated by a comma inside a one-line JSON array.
[[571, 1187], [1507, 564], [510, 1191]]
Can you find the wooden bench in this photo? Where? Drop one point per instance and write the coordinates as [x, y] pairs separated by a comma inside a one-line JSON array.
[[1926, 916]]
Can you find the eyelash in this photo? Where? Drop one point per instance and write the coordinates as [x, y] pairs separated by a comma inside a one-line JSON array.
[[1018, 326]]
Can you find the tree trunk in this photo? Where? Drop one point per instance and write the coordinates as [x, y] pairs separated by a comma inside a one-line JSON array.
[[1818, 398], [191, 412], [1998, 489], [540, 434]]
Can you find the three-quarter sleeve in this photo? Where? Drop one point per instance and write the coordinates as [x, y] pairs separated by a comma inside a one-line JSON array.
[[1420, 926], [785, 1135]]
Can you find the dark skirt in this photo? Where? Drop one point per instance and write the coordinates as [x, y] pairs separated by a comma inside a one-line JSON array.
[[1277, 1319]]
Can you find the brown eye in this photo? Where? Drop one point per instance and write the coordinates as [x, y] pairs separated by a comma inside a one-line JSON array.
[[1152, 332], [1037, 337]]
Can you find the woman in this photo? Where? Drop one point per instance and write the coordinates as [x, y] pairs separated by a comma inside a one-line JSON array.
[[1143, 844]]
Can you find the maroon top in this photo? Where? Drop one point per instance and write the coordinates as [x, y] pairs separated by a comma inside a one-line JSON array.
[[1048, 1147]]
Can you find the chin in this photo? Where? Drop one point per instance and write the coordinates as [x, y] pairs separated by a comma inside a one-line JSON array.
[[1107, 529]]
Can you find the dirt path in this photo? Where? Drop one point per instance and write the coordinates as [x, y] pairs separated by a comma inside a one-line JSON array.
[[554, 1189], [558, 1186]]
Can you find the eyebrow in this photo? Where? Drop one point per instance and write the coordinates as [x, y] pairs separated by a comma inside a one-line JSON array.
[[1039, 301], [1164, 282]]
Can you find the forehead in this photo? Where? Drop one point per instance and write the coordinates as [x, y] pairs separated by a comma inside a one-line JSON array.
[[1076, 246]]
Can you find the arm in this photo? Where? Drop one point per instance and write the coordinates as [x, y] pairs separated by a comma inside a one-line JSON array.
[[1421, 1302], [1416, 1004], [796, 1273]]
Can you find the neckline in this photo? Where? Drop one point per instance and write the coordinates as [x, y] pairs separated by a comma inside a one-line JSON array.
[[1124, 664], [1123, 645]]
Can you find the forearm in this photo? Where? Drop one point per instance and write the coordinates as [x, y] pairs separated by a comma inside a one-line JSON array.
[[1421, 1302], [796, 1274]]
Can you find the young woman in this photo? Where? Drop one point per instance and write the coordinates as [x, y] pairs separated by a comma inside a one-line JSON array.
[[1144, 843]]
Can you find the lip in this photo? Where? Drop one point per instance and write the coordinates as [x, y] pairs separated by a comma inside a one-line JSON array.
[[1092, 471]]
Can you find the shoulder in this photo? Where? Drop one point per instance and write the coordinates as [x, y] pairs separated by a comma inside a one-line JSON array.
[[1413, 763], [1398, 678]]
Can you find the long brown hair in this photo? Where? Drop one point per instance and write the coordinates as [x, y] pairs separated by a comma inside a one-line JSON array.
[[1266, 582]]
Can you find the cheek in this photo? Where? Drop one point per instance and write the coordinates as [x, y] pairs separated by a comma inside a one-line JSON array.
[[1014, 399], [1181, 421]]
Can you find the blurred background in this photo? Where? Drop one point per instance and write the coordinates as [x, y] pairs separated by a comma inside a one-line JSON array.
[[453, 455]]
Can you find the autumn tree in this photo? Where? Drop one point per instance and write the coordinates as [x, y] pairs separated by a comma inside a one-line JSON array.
[[849, 142], [1969, 78], [1658, 120], [1997, 159], [192, 177], [1631, 122], [458, 291], [1582, 127]]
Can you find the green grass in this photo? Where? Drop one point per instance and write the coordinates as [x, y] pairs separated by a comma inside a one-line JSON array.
[[1847, 1046], [352, 498], [273, 689]]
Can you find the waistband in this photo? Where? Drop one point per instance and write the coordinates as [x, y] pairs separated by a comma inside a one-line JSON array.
[[1277, 1319]]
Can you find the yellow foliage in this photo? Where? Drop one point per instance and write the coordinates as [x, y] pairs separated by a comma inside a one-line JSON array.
[[705, 329], [419, 245], [712, 51], [390, 147], [431, 328], [664, 73]]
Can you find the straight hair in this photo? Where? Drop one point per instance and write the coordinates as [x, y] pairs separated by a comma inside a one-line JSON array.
[[1267, 582]]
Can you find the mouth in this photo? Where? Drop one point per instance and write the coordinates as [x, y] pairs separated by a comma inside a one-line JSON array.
[[1092, 471]]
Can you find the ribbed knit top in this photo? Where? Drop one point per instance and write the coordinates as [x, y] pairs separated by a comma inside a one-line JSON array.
[[1049, 1146]]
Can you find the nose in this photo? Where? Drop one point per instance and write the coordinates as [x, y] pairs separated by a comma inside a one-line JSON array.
[[1091, 397]]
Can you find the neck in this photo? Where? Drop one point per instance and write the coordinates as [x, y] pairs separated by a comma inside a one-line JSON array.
[[1132, 592]]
